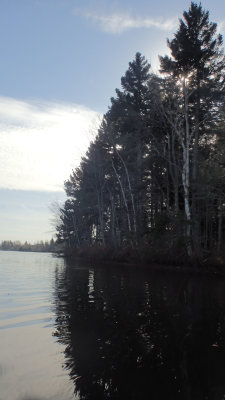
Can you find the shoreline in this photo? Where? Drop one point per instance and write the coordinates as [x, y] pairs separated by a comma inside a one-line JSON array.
[[209, 267]]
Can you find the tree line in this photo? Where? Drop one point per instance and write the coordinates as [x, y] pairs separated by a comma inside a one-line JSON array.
[[152, 181], [47, 246]]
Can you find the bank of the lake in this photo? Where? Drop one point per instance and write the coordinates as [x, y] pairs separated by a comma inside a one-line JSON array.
[[149, 258]]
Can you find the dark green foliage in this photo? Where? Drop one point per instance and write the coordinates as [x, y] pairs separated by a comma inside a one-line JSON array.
[[151, 183], [195, 46]]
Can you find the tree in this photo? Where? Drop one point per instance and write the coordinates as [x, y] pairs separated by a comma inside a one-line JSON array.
[[197, 63], [153, 173], [128, 128]]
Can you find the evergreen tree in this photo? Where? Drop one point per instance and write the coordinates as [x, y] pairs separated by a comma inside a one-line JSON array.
[[128, 121], [197, 63], [154, 173]]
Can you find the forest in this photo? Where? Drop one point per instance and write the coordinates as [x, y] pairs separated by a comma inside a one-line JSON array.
[[151, 185], [46, 247]]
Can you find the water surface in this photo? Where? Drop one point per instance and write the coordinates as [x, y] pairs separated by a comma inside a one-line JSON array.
[[72, 331], [31, 360]]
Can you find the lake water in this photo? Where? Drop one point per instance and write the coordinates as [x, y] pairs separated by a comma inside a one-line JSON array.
[[70, 331]]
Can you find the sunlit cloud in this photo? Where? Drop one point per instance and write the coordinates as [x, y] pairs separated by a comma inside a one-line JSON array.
[[41, 142], [118, 23]]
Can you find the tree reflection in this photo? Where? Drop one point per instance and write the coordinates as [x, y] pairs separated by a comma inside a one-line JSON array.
[[129, 335]]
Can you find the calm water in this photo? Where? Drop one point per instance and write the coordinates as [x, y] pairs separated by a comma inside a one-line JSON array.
[[78, 332]]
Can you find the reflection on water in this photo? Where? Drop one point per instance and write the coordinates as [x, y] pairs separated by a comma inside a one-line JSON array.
[[69, 332], [138, 335]]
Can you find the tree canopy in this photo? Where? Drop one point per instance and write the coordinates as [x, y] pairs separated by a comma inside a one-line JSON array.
[[152, 181]]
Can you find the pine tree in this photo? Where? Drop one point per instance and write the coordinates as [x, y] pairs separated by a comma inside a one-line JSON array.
[[128, 121], [197, 64], [195, 49]]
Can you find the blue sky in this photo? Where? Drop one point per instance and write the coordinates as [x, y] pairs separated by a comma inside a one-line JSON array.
[[61, 61]]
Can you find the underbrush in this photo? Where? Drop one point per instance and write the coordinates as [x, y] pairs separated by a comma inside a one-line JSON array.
[[148, 255]]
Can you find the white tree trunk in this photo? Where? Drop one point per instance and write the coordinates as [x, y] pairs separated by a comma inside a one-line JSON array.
[[124, 197], [186, 170]]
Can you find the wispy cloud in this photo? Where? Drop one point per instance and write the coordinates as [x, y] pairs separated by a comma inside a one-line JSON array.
[[41, 142], [221, 26], [118, 23]]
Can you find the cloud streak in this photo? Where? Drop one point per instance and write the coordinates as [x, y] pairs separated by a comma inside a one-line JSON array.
[[40, 142], [118, 23], [221, 27]]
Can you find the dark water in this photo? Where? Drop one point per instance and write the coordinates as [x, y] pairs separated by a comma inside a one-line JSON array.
[[73, 331]]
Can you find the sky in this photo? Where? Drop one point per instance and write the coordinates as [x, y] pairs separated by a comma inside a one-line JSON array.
[[61, 61]]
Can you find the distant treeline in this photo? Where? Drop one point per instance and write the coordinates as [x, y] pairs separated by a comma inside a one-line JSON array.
[[152, 183], [47, 246]]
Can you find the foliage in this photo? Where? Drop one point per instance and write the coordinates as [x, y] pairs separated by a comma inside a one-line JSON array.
[[153, 177], [47, 246]]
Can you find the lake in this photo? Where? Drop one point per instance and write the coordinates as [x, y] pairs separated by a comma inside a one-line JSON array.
[[74, 331]]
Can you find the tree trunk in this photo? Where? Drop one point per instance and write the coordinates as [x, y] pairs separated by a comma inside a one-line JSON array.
[[186, 171], [124, 197], [220, 219]]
